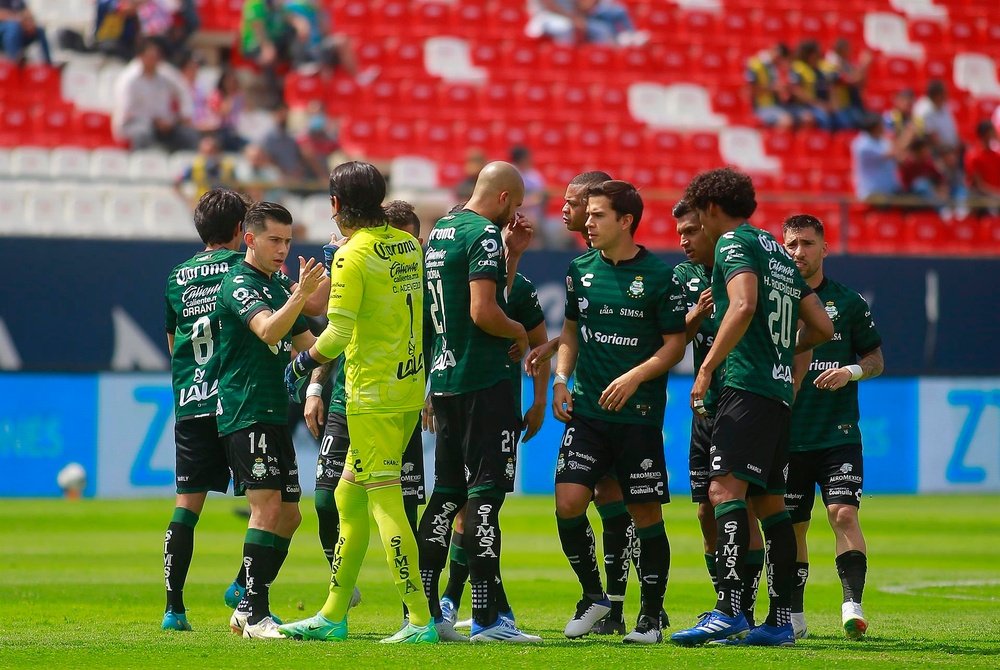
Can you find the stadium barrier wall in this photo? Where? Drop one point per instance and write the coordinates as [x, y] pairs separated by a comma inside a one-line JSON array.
[[921, 435], [97, 305]]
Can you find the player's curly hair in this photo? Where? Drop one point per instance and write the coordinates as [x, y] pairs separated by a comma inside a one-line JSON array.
[[801, 222], [219, 214], [400, 214], [360, 187], [730, 189]]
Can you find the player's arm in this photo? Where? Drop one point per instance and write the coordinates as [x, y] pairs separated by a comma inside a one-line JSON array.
[[742, 292], [540, 354], [489, 318], [800, 368], [624, 387], [314, 411], [569, 349], [535, 415], [517, 236], [170, 344], [317, 302], [270, 326], [817, 327], [870, 365]]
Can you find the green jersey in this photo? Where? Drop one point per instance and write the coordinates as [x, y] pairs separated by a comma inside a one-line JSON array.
[[761, 362], [192, 289], [694, 278], [252, 373], [621, 310], [464, 247], [822, 419], [273, 16], [523, 307]]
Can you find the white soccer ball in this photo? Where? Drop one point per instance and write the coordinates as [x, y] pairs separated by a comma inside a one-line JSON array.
[[72, 477]]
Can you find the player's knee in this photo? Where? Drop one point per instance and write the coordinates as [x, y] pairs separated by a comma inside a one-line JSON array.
[[843, 516], [291, 518], [459, 523], [646, 514], [607, 491], [570, 502]]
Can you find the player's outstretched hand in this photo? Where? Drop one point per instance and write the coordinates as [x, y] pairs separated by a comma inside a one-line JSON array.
[[310, 275], [702, 381], [519, 348], [562, 403], [619, 391], [705, 303], [533, 420], [540, 355], [427, 421], [831, 380], [297, 374], [315, 414]]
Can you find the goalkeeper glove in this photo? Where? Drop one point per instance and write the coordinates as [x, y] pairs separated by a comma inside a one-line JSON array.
[[297, 374]]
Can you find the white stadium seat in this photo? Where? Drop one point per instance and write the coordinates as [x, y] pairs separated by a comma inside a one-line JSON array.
[[149, 165], [744, 148], [448, 58], [977, 74], [109, 164], [80, 83], [69, 162], [4, 162], [679, 106], [413, 172], [888, 33], [124, 212], [167, 215], [920, 9], [44, 211], [29, 162], [12, 212], [84, 213]]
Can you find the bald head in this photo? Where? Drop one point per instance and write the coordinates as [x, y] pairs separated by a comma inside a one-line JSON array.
[[499, 192]]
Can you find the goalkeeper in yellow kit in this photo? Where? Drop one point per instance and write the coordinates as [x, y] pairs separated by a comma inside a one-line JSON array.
[[376, 320]]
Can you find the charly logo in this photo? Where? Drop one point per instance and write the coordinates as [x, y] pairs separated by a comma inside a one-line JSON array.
[[637, 289], [831, 310]]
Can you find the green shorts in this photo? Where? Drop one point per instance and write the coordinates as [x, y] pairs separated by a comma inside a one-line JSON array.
[[377, 444]]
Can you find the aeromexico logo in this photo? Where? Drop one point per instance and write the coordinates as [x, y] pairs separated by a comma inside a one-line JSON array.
[[386, 251]]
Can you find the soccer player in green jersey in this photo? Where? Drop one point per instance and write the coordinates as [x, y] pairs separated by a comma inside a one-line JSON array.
[[760, 297], [695, 277], [192, 336], [825, 439], [477, 422], [259, 321], [335, 435], [624, 330], [618, 532], [376, 320]]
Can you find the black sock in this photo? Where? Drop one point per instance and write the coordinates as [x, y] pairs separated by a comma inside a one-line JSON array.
[[799, 587], [781, 548], [458, 570], [281, 545], [503, 605], [178, 546], [654, 568], [329, 522], [751, 581], [577, 539], [710, 564], [410, 507], [258, 557], [482, 518], [618, 552], [432, 539], [733, 540], [852, 566]]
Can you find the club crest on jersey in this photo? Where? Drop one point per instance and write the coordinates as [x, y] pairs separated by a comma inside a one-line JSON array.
[[831, 310], [509, 470], [319, 470], [637, 289], [561, 463], [259, 470]]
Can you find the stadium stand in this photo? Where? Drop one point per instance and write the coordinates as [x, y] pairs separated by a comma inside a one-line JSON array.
[[463, 73]]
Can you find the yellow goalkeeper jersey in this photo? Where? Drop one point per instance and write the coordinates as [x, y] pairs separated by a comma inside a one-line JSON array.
[[376, 279]]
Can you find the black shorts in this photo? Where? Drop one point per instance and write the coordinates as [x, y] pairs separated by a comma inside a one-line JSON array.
[[262, 457], [201, 464], [592, 448], [333, 453], [477, 435], [701, 443], [839, 471], [750, 440]]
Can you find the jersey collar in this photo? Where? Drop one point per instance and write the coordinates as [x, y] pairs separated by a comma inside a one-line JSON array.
[[641, 254]]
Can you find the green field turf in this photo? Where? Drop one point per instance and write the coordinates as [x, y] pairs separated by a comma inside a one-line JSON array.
[[80, 587]]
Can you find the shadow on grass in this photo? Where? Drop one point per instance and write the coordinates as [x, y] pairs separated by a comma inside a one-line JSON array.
[[875, 644]]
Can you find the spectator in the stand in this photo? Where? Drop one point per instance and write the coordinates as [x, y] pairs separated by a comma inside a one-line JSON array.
[[595, 21], [169, 22], [475, 161], [189, 65], [900, 116], [768, 93], [209, 169], [266, 38], [18, 30], [848, 78], [535, 196], [319, 142], [318, 47], [284, 151], [875, 158], [225, 107], [117, 28], [983, 164], [152, 107], [919, 174], [934, 113], [810, 87], [258, 178]]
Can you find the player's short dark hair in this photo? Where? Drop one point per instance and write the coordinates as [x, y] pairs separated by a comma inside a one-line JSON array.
[[400, 213], [218, 215], [728, 188], [259, 213], [681, 209], [458, 207], [801, 222], [624, 199], [360, 187], [588, 179], [150, 41]]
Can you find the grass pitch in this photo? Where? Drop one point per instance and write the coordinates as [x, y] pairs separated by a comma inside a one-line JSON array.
[[81, 587]]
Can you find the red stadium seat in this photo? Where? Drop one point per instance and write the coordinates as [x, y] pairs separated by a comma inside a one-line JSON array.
[[476, 135], [351, 16], [495, 100], [387, 17], [10, 80], [466, 19], [300, 89], [437, 140], [92, 129], [340, 95], [456, 102], [418, 99], [429, 19], [404, 59], [357, 134], [15, 125], [557, 63], [53, 125], [40, 84], [570, 103]]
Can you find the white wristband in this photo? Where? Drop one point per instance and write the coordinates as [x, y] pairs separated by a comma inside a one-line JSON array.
[[560, 379], [314, 391], [856, 372]]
